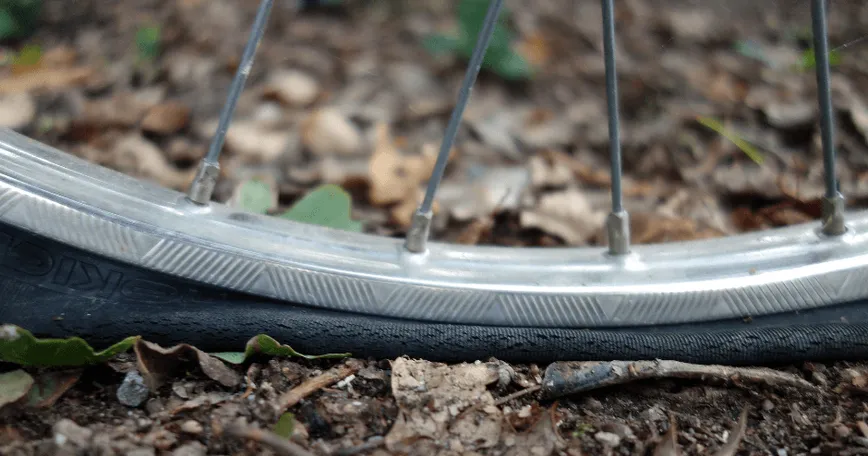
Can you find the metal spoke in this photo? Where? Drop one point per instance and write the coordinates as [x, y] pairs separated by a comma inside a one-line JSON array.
[[417, 235], [833, 202], [209, 169], [618, 222]]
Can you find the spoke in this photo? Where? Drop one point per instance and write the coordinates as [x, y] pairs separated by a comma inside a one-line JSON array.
[[209, 169], [833, 202], [618, 223], [417, 235]]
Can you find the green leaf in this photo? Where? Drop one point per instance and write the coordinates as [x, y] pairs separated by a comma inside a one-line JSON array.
[[285, 425], [440, 44], [255, 196], [745, 146], [510, 66], [29, 55], [266, 345], [148, 43], [14, 386], [327, 205], [19, 346], [809, 59]]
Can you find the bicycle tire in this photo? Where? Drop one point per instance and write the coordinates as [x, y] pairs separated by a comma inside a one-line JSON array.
[[91, 252]]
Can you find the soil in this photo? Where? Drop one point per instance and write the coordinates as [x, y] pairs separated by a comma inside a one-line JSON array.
[[329, 84]]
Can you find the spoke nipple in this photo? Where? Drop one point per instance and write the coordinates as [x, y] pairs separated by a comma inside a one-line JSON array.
[[417, 235], [618, 230], [833, 215], [203, 184]]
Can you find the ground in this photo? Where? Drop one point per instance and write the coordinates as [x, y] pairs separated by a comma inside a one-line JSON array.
[[349, 95]]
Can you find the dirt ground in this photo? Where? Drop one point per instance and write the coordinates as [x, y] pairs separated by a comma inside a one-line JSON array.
[[349, 95]]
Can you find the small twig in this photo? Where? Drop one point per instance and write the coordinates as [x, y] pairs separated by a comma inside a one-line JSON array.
[[310, 386], [517, 394], [564, 378], [372, 443], [280, 445], [730, 448]]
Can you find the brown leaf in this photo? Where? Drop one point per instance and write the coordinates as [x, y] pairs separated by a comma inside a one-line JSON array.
[[442, 402], [541, 440], [157, 364], [46, 79], [166, 118], [49, 386]]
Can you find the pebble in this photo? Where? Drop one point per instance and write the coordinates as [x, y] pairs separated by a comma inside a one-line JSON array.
[[67, 431], [609, 439], [293, 87], [191, 427], [132, 391], [768, 405], [329, 132]]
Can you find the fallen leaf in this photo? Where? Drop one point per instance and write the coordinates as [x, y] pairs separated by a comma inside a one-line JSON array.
[[394, 175], [14, 386], [567, 214], [329, 132], [292, 87], [135, 155], [327, 205], [50, 385], [46, 79], [266, 345], [483, 190], [254, 195], [19, 346], [166, 118], [285, 425], [156, 364], [255, 142], [443, 402], [541, 440]]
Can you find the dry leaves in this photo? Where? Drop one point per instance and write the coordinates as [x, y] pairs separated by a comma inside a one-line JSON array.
[[157, 364], [395, 178], [567, 214], [443, 406], [329, 132]]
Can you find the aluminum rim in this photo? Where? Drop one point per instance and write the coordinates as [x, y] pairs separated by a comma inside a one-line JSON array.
[[64, 198]]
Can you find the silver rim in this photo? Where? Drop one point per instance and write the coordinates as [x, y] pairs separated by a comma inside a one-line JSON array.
[[791, 269], [69, 200]]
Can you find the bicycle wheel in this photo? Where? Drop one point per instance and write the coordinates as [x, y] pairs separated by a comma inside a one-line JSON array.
[[91, 252]]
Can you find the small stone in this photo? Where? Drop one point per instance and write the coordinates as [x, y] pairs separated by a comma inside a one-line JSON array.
[[17, 110], [190, 449], [329, 132], [133, 390], [819, 378], [768, 405], [608, 439], [293, 87], [166, 118], [191, 427], [842, 431], [591, 403], [67, 432]]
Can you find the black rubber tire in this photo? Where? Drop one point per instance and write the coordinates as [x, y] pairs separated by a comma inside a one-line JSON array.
[[55, 290]]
